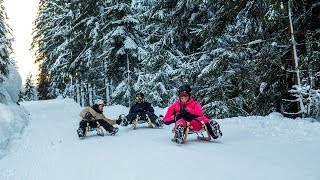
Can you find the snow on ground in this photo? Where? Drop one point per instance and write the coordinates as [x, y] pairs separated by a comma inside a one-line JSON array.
[[13, 119], [264, 148]]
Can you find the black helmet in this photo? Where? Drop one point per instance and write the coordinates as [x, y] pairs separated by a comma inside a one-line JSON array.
[[140, 94], [184, 88]]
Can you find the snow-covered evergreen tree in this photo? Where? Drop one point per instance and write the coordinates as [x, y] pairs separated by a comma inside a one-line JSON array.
[[5, 47], [85, 68], [228, 51], [9, 76], [229, 84], [30, 91], [122, 48], [43, 83], [174, 45], [306, 52], [51, 36]]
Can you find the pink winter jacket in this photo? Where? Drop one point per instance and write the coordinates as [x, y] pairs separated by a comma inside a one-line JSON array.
[[191, 106]]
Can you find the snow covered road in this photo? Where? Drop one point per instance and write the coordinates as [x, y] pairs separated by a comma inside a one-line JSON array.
[[252, 148]]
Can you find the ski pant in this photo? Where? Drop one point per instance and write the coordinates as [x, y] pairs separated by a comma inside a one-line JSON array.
[[133, 116], [195, 124], [108, 127]]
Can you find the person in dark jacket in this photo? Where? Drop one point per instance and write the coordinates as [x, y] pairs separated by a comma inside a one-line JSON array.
[[142, 108]]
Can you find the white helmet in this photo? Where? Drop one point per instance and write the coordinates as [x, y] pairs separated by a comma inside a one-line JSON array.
[[100, 101]]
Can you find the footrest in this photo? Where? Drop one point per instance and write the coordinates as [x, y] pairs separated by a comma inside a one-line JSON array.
[[92, 129], [141, 121], [204, 138]]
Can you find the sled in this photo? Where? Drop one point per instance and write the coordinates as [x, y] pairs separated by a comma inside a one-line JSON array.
[[200, 133], [137, 121], [99, 129]]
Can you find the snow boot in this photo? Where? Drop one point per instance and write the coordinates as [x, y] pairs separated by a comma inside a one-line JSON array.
[[179, 134], [214, 129], [114, 131], [80, 133], [124, 120], [99, 131], [158, 122]]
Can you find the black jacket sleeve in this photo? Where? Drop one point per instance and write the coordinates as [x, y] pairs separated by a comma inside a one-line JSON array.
[[148, 107], [145, 107], [133, 109]]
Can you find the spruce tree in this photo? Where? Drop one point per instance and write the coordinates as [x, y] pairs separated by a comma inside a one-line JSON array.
[[30, 92], [173, 46], [5, 47], [122, 48], [51, 35]]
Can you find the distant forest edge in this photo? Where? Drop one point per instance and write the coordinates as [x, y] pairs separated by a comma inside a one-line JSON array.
[[241, 58]]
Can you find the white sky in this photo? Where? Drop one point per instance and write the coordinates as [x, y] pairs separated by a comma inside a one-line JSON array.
[[21, 14]]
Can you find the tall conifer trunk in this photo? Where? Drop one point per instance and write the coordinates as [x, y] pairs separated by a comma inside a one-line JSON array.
[[297, 106]]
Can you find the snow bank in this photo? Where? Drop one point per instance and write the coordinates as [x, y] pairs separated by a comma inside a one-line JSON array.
[[13, 84], [13, 118], [275, 125]]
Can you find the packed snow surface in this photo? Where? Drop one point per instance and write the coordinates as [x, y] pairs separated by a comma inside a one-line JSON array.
[[251, 148]]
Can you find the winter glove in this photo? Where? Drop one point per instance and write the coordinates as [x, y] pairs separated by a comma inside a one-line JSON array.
[[186, 115], [183, 112], [140, 110], [118, 121], [123, 120], [88, 115], [176, 118]]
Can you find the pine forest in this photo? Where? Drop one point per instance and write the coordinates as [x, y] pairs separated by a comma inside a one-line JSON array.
[[241, 58]]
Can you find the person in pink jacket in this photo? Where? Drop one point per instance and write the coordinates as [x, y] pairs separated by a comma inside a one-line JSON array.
[[186, 109]]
